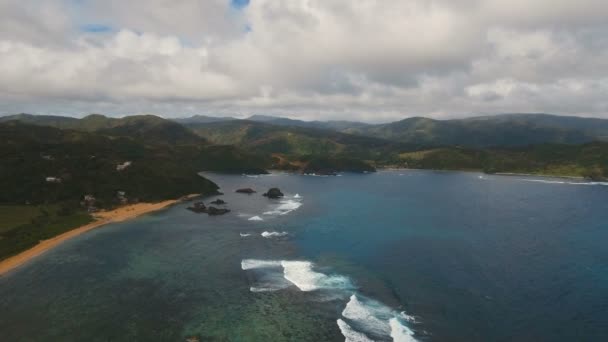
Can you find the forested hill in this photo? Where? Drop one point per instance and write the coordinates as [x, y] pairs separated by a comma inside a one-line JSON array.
[[80, 163], [529, 141], [146, 128], [491, 131]]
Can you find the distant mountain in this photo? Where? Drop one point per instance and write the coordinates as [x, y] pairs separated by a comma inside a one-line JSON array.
[[43, 120], [290, 140], [203, 119], [491, 131], [339, 125], [150, 128], [585, 160], [284, 135]]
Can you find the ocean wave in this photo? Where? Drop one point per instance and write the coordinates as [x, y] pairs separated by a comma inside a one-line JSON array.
[[302, 275], [562, 182], [268, 235], [399, 332], [377, 319], [256, 218], [362, 317], [245, 234], [297, 196], [350, 334], [284, 207], [251, 264], [314, 175], [268, 288]]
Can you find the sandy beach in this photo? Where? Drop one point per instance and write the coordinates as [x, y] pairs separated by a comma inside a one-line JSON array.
[[101, 218]]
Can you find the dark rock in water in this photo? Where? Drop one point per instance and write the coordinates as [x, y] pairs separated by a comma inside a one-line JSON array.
[[218, 201], [274, 193], [198, 207], [213, 211], [245, 191]]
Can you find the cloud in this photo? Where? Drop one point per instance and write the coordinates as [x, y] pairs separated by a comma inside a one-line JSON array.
[[312, 59]]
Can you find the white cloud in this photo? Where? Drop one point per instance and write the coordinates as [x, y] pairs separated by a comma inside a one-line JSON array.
[[316, 59]]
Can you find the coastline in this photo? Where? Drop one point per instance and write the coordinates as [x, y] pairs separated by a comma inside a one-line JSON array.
[[539, 175], [101, 218]]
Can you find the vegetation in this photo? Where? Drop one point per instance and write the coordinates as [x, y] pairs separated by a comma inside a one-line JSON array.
[[43, 222], [492, 131], [587, 160]]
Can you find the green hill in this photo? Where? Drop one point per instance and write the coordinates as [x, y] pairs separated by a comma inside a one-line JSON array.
[[295, 144], [149, 128], [494, 131], [87, 164], [289, 140], [587, 160]]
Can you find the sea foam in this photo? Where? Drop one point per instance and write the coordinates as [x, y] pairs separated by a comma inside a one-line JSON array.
[[300, 274], [363, 316], [251, 264], [399, 332], [350, 334], [377, 319], [284, 207], [269, 235], [562, 182], [256, 218]]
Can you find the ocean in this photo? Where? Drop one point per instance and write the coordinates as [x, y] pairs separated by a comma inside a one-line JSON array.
[[389, 256]]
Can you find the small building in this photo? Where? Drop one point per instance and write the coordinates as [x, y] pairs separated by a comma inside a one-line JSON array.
[[123, 166], [122, 197]]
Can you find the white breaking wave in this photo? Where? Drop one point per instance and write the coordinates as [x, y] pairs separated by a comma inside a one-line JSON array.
[[399, 332], [273, 234], [245, 234], [251, 264], [284, 207], [373, 318], [260, 289], [350, 334], [301, 274], [377, 319], [256, 218], [297, 196], [365, 317], [315, 175], [562, 182]]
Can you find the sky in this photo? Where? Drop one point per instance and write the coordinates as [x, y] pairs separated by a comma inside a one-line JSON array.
[[367, 60]]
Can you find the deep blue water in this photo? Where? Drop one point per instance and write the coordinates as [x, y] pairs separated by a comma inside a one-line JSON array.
[[446, 256]]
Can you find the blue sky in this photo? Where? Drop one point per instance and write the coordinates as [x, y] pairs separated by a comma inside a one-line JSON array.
[[239, 3], [96, 28]]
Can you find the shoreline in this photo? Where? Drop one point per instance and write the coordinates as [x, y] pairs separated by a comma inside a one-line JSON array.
[[120, 214], [490, 174]]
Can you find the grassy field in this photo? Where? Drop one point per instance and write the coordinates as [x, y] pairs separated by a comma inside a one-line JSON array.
[[12, 216], [22, 227]]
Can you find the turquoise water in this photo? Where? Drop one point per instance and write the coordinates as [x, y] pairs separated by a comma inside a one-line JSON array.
[[404, 255]]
